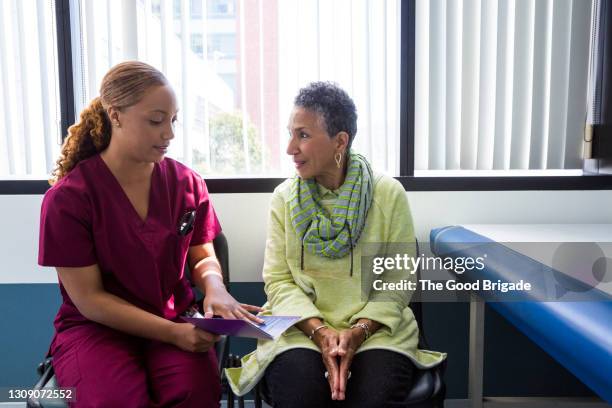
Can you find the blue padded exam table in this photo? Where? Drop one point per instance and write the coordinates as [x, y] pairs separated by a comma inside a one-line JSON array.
[[578, 334]]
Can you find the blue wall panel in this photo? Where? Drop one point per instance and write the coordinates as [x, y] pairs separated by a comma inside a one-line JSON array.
[[28, 310], [26, 329]]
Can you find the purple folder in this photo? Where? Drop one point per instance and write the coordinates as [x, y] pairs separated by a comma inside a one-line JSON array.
[[272, 327]]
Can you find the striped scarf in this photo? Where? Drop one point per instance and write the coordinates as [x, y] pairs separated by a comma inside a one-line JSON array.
[[333, 235]]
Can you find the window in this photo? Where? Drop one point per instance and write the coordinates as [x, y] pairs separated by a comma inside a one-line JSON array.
[[500, 85], [177, 8], [222, 46], [196, 9], [220, 8], [29, 101], [230, 80], [236, 89], [197, 44]]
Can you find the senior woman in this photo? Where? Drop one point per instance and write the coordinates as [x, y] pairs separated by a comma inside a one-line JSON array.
[[347, 349]]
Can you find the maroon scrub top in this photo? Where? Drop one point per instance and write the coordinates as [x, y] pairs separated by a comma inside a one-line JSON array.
[[86, 218]]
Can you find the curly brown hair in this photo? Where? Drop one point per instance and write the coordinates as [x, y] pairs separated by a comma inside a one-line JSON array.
[[123, 85]]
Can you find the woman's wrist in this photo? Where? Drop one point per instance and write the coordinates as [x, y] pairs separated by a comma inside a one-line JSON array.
[[362, 329], [309, 325], [367, 326], [316, 330]]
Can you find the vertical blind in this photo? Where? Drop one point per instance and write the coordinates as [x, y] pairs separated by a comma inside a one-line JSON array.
[[29, 98], [355, 43], [281, 45], [501, 84], [598, 137]]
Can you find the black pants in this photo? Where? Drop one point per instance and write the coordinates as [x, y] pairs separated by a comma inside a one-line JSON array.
[[379, 378]]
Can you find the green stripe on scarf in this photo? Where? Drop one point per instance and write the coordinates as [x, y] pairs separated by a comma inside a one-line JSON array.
[[330, 235]]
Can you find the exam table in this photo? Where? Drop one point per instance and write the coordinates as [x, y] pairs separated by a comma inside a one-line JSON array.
[[576, 331]]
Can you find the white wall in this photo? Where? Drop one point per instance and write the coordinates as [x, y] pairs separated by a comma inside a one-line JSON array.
[[244, 218]]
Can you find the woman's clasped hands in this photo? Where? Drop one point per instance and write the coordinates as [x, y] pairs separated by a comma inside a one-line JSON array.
[[337, 350]]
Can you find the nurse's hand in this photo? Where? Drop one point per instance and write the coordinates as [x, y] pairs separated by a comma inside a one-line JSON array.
[[189, 338], [218, 302]]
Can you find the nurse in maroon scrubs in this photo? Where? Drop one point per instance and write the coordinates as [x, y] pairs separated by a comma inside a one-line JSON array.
[[119, 223]]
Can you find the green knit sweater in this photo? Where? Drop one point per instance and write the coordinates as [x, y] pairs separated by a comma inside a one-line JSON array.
[[325, 288]]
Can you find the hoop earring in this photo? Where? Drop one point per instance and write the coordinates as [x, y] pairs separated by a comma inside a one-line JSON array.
[[338, 159]]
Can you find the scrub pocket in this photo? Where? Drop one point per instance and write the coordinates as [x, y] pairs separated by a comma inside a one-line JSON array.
[[179, 246]]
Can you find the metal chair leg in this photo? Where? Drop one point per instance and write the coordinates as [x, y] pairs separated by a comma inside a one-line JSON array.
[[238, 363]]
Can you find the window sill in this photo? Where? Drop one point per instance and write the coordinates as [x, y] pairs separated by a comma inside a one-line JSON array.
[[411, 183], [498, 173]]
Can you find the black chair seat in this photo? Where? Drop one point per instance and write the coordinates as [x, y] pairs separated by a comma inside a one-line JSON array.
[[427, 384]]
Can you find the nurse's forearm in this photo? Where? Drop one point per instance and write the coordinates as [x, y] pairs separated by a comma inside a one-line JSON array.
[[207, 275], [112, 311], [86, 290]]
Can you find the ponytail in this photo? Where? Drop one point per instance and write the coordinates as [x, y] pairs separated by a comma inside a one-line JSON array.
[[85, 138]]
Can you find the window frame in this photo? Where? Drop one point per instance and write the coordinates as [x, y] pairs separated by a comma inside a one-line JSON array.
[[267, 184]]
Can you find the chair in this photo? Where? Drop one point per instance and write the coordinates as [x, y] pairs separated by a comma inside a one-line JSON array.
[[47, 378], [428, 385]]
